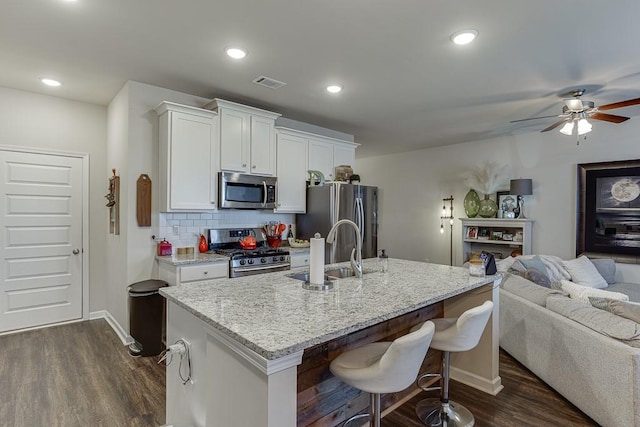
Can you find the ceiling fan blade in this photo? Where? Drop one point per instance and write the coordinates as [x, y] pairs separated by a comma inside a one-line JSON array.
[[535, 118], [620, 104], [608, 117], [555, 125]]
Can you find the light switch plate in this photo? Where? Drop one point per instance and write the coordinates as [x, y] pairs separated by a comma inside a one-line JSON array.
[[176, 230]]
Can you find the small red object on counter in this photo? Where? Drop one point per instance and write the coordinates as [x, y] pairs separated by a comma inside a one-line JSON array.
[[164, 248], [203, 246]]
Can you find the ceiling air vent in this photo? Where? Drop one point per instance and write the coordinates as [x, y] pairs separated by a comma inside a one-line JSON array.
[[269, 82]]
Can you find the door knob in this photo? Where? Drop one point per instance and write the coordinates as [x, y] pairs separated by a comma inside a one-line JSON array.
[[76, 251]]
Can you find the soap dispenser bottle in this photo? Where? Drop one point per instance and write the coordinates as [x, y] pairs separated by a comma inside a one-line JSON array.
[[384, 261]]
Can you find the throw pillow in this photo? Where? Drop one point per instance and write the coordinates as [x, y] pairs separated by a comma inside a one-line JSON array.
[[555, 268], [582, 293], [607, 269], [517, 268], [628, 310], [584, 273], [503, 264], [538, 277]]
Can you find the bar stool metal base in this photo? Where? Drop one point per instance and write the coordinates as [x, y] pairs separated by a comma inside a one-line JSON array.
[[433, 413]]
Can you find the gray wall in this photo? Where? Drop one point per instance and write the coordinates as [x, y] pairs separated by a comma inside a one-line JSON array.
[[413, 185]]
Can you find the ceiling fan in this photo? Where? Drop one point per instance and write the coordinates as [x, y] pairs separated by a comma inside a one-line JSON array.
[[576, 112]]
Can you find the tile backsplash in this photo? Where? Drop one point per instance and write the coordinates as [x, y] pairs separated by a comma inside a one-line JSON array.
[[191, 225]]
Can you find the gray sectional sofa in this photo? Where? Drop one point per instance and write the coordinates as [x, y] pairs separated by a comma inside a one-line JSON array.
[[579, 359]]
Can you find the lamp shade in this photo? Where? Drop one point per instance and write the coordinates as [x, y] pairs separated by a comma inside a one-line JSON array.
[[521, 187]]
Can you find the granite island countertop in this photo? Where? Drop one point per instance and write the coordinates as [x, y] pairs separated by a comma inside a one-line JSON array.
[[273, 315]]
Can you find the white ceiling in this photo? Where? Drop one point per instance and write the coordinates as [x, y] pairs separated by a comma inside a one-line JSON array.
[[406, 86]]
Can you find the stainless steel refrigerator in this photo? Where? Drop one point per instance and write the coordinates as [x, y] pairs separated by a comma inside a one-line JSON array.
[[335, 201]]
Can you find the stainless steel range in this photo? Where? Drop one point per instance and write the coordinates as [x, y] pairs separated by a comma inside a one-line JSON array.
[[247, 262]]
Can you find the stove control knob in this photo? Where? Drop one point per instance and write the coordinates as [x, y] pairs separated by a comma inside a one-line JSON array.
[[242, 262], [262, 260], [250, 261], [282, 258], [275, 258]]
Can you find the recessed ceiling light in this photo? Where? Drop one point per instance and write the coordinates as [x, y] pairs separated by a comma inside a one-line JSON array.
[[464, 37], [236, 52], [334, 88], [51, 82]]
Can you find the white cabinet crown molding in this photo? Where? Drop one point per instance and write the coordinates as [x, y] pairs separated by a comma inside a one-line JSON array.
[[221, 103], [165, 106], [315, 136]]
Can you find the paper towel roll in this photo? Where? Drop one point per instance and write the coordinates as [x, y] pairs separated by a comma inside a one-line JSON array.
[[316, 260]]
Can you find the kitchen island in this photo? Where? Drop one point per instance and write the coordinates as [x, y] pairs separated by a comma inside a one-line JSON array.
[[248, 338]]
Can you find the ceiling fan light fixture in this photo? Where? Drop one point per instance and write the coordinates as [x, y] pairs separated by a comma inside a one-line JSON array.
[[583, 126], [567, 129], [464, 36]]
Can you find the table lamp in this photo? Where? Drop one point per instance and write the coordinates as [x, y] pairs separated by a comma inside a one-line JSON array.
[[521, 187]]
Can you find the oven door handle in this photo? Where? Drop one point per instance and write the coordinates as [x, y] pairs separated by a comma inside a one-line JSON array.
[[264, 199], [266, 267]]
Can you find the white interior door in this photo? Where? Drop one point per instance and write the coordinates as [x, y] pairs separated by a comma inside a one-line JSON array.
[[41, 249]]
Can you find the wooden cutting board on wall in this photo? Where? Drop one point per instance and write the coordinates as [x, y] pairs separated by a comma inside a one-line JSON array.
[[143, 201]]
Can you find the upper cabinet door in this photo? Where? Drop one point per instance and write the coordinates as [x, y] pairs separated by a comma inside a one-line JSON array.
[[188, 158], [263, 146], [234, 140], [292, 174], [321, 157], [344, 155]]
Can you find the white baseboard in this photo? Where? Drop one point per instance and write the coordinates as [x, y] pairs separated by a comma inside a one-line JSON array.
[[472, 380], [119, 330]]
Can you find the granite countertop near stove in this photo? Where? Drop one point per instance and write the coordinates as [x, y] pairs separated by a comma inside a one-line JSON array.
[[194, 258], [273, 315]]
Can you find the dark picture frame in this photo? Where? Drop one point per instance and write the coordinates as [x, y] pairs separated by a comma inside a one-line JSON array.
[[508, 204], [608, 208]]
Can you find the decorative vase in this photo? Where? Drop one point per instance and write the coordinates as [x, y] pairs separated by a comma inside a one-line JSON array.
[[471, 204], [488, 208]]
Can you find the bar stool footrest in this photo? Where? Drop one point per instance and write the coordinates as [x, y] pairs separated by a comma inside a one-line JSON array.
[[356, 417], [423, 377]]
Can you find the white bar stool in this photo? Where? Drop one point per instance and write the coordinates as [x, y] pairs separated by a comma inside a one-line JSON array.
[[383, 367], [452, 335]]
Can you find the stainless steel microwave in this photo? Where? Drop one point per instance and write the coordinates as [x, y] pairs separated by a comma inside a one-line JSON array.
[[240, 191]]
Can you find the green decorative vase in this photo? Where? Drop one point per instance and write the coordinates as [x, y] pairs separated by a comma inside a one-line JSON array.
[[471, 204], [488, 208]]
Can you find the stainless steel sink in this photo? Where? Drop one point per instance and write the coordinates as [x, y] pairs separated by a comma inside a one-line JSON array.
[[338, 273]]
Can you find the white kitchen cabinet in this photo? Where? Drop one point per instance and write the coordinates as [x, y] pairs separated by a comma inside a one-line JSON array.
[[299, 259], [193, 273], [327, 153], [188, 148], [291, 172], [247, 138], [488, 234]]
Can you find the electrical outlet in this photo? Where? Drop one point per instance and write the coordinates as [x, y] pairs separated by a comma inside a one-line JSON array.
[[176, 230]]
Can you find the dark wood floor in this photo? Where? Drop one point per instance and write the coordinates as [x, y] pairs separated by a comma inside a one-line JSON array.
[[78, 374], [525, 401], [81, 375]]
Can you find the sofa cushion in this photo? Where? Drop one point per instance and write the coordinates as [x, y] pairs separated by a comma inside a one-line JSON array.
[[582, 293], [607, 269], [526, 289], [583, 272], [536, 273], [630, 289], [628, 310], [599, 320]]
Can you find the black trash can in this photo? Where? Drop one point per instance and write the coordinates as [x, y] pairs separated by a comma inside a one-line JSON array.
[[146, 317]]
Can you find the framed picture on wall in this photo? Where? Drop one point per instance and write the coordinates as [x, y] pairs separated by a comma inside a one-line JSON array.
[[609, 208], [472, 232]]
